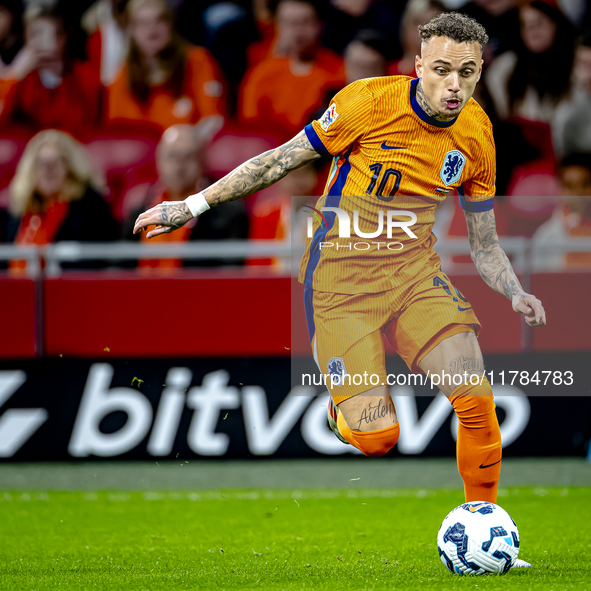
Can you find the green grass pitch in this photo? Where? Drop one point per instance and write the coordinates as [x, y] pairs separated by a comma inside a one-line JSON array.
[[273, 539]]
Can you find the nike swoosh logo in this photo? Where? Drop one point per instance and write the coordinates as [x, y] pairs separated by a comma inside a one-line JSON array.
[[488, 465], [464, 309], [387, 147]]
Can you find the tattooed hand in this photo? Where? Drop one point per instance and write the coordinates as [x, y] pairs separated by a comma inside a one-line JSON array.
[[168, 216]]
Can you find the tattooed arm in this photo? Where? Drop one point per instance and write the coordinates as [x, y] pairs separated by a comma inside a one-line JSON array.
[[252, 176], [496, 270]]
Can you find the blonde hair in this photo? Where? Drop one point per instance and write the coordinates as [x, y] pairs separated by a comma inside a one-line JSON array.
[[80, 172], [135, 5]]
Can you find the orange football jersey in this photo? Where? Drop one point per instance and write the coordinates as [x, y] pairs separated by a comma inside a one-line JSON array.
[[393, 164]]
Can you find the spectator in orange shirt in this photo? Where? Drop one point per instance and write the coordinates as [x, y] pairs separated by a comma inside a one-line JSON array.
[[284, 92], [57, 195], [46, 88], [165, 81], [179, 160], [532, 81], [416, 12]]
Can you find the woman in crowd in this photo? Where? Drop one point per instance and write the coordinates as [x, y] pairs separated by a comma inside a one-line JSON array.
[[524, 89], [165, 81], [531, 82], [56, 195]]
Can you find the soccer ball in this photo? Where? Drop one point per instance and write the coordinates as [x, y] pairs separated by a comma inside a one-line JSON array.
[[478, 538]]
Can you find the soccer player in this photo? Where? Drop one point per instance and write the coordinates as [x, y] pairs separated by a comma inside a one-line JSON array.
[[398, 146]]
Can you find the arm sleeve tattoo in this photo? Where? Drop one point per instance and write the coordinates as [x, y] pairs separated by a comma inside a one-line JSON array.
[[262, 171], [488, 256]]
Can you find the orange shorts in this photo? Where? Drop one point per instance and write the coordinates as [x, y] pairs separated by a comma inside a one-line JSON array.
[[347, 330]]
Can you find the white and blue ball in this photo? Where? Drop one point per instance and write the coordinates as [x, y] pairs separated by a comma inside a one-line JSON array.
[[478, 538]]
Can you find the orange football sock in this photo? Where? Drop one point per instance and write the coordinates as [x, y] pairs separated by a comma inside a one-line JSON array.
[[371, 443], [479, 447]]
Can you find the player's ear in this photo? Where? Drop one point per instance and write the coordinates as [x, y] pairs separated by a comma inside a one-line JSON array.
[[480, 70], [418, 66]]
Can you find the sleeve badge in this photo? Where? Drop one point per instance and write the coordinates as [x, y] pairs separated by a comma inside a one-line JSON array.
[[329, 117]]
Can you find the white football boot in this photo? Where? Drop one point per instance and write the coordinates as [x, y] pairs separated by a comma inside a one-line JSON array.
[[332, 413]]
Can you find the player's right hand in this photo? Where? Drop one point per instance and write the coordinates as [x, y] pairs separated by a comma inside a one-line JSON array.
[[168, 216]]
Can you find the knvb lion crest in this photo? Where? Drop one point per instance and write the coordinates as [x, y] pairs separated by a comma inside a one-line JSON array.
[[453, 164], [336, 370]]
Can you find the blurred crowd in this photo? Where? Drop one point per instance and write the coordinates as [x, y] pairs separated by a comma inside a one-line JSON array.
[[108, 107]]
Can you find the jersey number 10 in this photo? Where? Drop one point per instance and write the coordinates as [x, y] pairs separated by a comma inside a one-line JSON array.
[[377, 169]]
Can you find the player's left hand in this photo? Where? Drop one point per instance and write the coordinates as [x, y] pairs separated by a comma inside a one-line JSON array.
[[168, 216], [531, 308]]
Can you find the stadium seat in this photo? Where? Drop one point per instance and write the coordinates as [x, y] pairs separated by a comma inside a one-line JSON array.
[[532, 197], [234, 144], [121, 150]]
